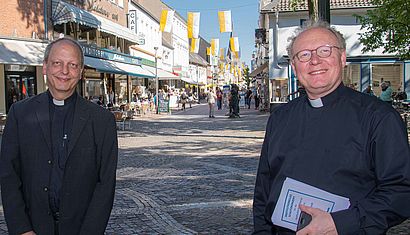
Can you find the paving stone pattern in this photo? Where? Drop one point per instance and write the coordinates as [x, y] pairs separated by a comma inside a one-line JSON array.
[[188, 174]]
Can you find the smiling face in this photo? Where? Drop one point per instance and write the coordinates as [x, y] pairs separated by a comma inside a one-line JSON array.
[[63, 69], [319, 76]]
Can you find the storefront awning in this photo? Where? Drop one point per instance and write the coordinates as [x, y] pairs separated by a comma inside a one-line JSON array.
[[162, 74], [63, 12], [259, 70], [116, 29], [108, 66], [21, 52]]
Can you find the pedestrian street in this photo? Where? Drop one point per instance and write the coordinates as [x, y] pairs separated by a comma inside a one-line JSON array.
[[186, 173]]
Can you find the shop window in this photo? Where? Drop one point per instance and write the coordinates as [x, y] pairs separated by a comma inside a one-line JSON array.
[[121, 92], [20, 83], [387, 72], [93, 89], [351, 76], [280, 90]]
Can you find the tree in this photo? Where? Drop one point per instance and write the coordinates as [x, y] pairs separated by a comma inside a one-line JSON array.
[[388, 27], [246, 76]]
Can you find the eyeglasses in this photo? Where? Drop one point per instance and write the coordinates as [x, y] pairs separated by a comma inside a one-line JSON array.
[[322, 51]]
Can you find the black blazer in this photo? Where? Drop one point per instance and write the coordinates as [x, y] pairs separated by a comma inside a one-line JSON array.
[[88, 184]]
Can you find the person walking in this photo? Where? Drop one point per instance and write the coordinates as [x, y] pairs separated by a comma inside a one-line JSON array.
[[184, 99], [219, 96], [248, 97], [57, 163], [211, 97], [256, 96]]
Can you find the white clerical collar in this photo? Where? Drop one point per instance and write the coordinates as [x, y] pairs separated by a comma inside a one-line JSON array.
[[316, 103], [58, 102]]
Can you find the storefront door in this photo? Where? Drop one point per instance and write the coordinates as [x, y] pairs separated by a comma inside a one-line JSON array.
[[19, 86]]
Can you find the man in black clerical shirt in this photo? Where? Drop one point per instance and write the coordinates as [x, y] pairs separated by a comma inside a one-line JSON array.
[[57, 165], [337, 140]]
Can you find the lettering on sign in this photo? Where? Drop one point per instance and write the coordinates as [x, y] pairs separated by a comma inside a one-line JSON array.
[[118, 57], [133, 20]]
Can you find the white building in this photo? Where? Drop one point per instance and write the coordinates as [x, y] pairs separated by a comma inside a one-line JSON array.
[[362, 70], [180, 43]]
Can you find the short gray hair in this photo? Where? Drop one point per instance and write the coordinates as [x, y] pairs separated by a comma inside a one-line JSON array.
[[315, 24], [67, 39]]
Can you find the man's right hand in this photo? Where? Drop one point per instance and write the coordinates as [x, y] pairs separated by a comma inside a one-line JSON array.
[[29, 233]]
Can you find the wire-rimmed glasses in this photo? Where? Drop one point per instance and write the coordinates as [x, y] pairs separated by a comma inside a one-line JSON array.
[[322, 51]]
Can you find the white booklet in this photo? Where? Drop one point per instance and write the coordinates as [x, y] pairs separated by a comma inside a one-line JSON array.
[[293, 193]]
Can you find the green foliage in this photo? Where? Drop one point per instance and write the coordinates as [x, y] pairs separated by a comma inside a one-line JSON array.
[[388, 27], [246, 76]]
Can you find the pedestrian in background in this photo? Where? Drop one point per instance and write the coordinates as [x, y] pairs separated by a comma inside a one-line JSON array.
[[219, 96], [257, 97], [368, 91], [336, 139], [57, 163], [184, 99], [248, 97], [211, 97], [387, 91]]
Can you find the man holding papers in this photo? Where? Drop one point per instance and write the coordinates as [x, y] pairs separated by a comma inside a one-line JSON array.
[[335, 149]]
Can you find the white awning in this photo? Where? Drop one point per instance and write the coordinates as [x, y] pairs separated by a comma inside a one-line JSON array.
[[63, 12], [162, 74], [21, 52], [108, 66], [116, 29]]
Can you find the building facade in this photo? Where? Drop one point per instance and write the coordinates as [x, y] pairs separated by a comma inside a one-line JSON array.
[[99, 26], [363, 68]]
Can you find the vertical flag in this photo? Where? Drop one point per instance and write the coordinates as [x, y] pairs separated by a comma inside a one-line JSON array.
[[208, 51], [221, 54], [167, 18], [193, 24], [234, 42], [214, 46], [225, 21], [195, 45]]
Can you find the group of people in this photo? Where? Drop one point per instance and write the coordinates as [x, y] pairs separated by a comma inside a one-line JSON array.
[[57, 165], [387, 95]]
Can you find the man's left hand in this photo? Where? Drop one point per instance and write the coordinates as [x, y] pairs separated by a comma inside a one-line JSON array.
[[322, 222]]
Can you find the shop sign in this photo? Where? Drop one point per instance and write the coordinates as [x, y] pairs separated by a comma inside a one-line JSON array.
[[163, 106], [110, 55], [133, 20]]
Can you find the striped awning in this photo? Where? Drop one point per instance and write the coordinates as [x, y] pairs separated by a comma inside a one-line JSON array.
[[63, 12]]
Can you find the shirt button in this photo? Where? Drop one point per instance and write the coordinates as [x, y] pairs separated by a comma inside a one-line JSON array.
[[49, 162], [45, 189]]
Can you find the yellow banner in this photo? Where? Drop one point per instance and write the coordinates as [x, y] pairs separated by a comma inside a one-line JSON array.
[[193, 24], [165, 24], [225, 21]]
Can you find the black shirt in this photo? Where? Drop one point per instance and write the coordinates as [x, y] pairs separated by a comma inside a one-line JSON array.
[[61, 120], [354, 146]]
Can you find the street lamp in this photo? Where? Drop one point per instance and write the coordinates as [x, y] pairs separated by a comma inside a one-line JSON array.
[[156, 81]]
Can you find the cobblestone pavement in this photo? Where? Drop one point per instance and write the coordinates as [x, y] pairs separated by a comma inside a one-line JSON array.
[[188, 174]]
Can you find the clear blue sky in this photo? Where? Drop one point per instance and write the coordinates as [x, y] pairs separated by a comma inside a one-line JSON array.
[[244, 17]]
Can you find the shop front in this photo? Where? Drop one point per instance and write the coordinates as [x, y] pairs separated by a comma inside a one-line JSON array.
[[112, 75], [20, 70]]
